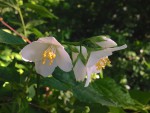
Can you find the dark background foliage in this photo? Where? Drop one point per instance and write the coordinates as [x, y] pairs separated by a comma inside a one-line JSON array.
[[125, 21]]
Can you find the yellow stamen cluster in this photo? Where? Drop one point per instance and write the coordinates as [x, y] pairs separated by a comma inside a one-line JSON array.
[[49, 54], [101, 64]]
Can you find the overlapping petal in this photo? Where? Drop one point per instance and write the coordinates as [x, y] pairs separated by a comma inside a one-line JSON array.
[[79, 70], [96, 55], [63, 60], [45, 69], [50, 40], [33, 52], [106, 43]]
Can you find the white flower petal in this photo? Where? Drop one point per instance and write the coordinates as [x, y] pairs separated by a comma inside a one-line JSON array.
[[50, 40], [33, 52], [84, 51], [118, 48], [45, 69], [89, 72], [94, 69], [96, 55], [107, 43], [63, 60], [79, 70]]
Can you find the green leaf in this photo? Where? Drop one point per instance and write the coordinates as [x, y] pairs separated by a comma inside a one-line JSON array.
[[141, 96], [37, 32], [42, 11], [31, 91], [112, 91], [116, 110], [34, 23], [90, 95], [73, 49], [91, 44], [9, 38], [54, 83], [104, 91], [98, 108], [67, 78]]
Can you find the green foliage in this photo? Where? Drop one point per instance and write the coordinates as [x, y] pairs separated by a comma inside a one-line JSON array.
[[42, 11], [9, 39], [124, 87]]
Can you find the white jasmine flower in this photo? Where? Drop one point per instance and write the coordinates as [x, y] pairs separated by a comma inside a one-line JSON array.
[[47, 53], [96, 61]]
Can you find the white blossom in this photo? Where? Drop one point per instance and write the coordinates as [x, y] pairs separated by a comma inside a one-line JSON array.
[[47, 53], [96, 61]]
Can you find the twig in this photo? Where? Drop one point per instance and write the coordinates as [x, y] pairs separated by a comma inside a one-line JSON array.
[[4, 23]]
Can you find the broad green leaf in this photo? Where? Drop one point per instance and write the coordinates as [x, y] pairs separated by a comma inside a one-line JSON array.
[[98, 108], [141, 96], [42, 11], [54, 83], [9, 38], [116, 110], [108, 88], [104, 91], [67, 78], [90, 95]]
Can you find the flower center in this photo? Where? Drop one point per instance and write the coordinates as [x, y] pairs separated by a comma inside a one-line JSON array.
[[49, 54], [101, 64]]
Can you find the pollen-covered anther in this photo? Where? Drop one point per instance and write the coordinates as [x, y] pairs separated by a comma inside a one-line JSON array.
[[102, 63], [50, 55]]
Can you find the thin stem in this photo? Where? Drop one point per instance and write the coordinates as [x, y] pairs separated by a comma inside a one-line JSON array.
[[80, 48], [38, 84], [71, 43], [4, 23], [22, 20]]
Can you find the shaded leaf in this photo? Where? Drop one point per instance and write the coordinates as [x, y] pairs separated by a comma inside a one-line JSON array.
[[116, 110], [112, 91], [9, 74], [142, 97], [42, 11], [54, 83], [90, 95], [9, 38]]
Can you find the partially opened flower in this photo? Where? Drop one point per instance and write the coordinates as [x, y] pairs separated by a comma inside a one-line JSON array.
[[96, 61], [47, 53]]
